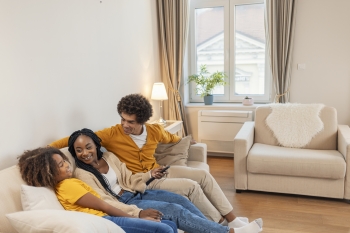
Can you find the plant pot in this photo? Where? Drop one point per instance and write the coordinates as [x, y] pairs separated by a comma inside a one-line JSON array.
[[248, 102], [208, 99]]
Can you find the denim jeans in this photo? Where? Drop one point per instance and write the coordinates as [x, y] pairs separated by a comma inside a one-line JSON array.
[[175, 208], [136, 225]]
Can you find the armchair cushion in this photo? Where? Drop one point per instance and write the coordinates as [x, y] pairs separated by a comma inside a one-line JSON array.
[[275, 160], [325, 140], [293, 124]]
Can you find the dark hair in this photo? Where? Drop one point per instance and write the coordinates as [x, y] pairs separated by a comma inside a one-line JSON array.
[[136, 104], [38, 168], [87, 167]]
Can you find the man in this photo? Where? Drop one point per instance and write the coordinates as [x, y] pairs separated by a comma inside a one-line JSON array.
[[134, 143]]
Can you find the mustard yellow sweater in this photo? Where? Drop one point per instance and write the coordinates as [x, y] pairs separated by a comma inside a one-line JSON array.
[[122, 145]]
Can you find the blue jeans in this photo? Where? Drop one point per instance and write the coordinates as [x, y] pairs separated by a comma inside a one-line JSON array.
[[175, 208], [136, 225]]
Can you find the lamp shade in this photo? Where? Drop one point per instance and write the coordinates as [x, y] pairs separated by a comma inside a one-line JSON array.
[[159, 92]]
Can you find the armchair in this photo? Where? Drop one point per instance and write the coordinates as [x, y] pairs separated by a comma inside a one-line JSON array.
[[321, 168]]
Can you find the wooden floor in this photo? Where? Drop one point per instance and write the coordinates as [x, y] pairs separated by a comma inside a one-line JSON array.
[[282, 213]]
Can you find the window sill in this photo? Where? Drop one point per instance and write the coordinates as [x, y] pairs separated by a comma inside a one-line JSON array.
[[224, 106]]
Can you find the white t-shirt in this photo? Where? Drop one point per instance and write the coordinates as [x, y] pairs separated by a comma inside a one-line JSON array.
[[140, 140]]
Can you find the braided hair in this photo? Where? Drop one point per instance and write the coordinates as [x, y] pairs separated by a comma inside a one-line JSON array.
[[38, 168], [136, 104], [87, 167]]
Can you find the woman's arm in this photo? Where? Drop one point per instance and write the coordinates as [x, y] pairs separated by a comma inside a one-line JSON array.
[[127, 180]]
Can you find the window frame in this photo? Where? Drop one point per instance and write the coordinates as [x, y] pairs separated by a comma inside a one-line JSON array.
[[229, 54]]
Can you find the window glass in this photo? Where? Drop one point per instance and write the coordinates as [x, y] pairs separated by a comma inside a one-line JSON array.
[[209, 34], [249, 49], [229, 36]]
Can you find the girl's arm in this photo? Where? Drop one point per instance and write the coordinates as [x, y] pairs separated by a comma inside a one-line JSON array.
[[92, 181], [93, 202]]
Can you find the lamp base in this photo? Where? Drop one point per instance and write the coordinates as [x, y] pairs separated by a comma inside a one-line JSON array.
[[161, 121]]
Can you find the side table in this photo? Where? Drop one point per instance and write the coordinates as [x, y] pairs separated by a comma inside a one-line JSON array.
[[171, 126]]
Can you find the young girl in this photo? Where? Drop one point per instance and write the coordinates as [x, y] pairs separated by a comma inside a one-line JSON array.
[[49, 167], [118, 186]]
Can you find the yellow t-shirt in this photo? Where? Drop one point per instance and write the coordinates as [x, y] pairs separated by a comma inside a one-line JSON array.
[[69, 191]]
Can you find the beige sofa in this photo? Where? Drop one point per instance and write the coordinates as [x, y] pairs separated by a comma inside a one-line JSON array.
[[10, 183], [321, 168]]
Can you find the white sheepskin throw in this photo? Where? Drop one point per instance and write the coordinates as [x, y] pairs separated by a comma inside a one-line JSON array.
[[294, 125]]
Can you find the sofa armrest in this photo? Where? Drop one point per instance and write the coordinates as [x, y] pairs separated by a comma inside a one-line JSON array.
[[198, 152], [344, 149], [241, 145]]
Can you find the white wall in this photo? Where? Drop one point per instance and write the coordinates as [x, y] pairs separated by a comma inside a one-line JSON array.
[[322, 42], [64, 65]]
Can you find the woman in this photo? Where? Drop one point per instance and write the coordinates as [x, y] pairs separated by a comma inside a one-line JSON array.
[[49, 167], [119, 187]]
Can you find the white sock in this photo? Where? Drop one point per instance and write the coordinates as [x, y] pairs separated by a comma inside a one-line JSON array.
[[236, 223], [224, 223], [243, 219], [253, 227]]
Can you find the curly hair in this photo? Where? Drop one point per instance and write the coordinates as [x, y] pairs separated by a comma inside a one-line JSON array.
[[87, 167], [38, 168], [136, 104]]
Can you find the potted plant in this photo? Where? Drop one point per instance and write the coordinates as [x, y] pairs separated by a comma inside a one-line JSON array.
[[206, 82], [247, 101]]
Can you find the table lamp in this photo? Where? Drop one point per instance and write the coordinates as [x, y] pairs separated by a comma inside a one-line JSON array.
[[159, 93]]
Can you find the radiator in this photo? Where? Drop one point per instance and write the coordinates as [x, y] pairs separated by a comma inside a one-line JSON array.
[[218, 128]]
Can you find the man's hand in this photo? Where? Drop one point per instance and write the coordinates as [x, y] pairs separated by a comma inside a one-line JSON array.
[[156, 173], [151, 214]]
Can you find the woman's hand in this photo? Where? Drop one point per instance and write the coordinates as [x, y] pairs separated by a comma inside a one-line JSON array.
[[156, 173], [151, 214]]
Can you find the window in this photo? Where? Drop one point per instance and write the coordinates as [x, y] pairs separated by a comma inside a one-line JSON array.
[[229, 36]]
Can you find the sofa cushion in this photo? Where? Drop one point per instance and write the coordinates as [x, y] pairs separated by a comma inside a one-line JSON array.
[[39, 198], [173, 153], [277, 160], [50, 221]]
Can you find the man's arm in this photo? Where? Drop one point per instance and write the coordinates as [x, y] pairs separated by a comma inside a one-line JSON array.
[[61, 143], [103, 134], [167, 137]]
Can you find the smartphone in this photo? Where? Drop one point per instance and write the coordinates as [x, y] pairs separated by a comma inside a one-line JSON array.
[[152, 178]]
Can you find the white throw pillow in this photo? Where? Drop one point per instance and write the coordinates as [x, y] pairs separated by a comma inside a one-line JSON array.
[[54, 221], [39, 198]]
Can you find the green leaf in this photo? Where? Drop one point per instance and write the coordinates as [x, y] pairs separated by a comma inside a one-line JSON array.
[[206, 82]]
